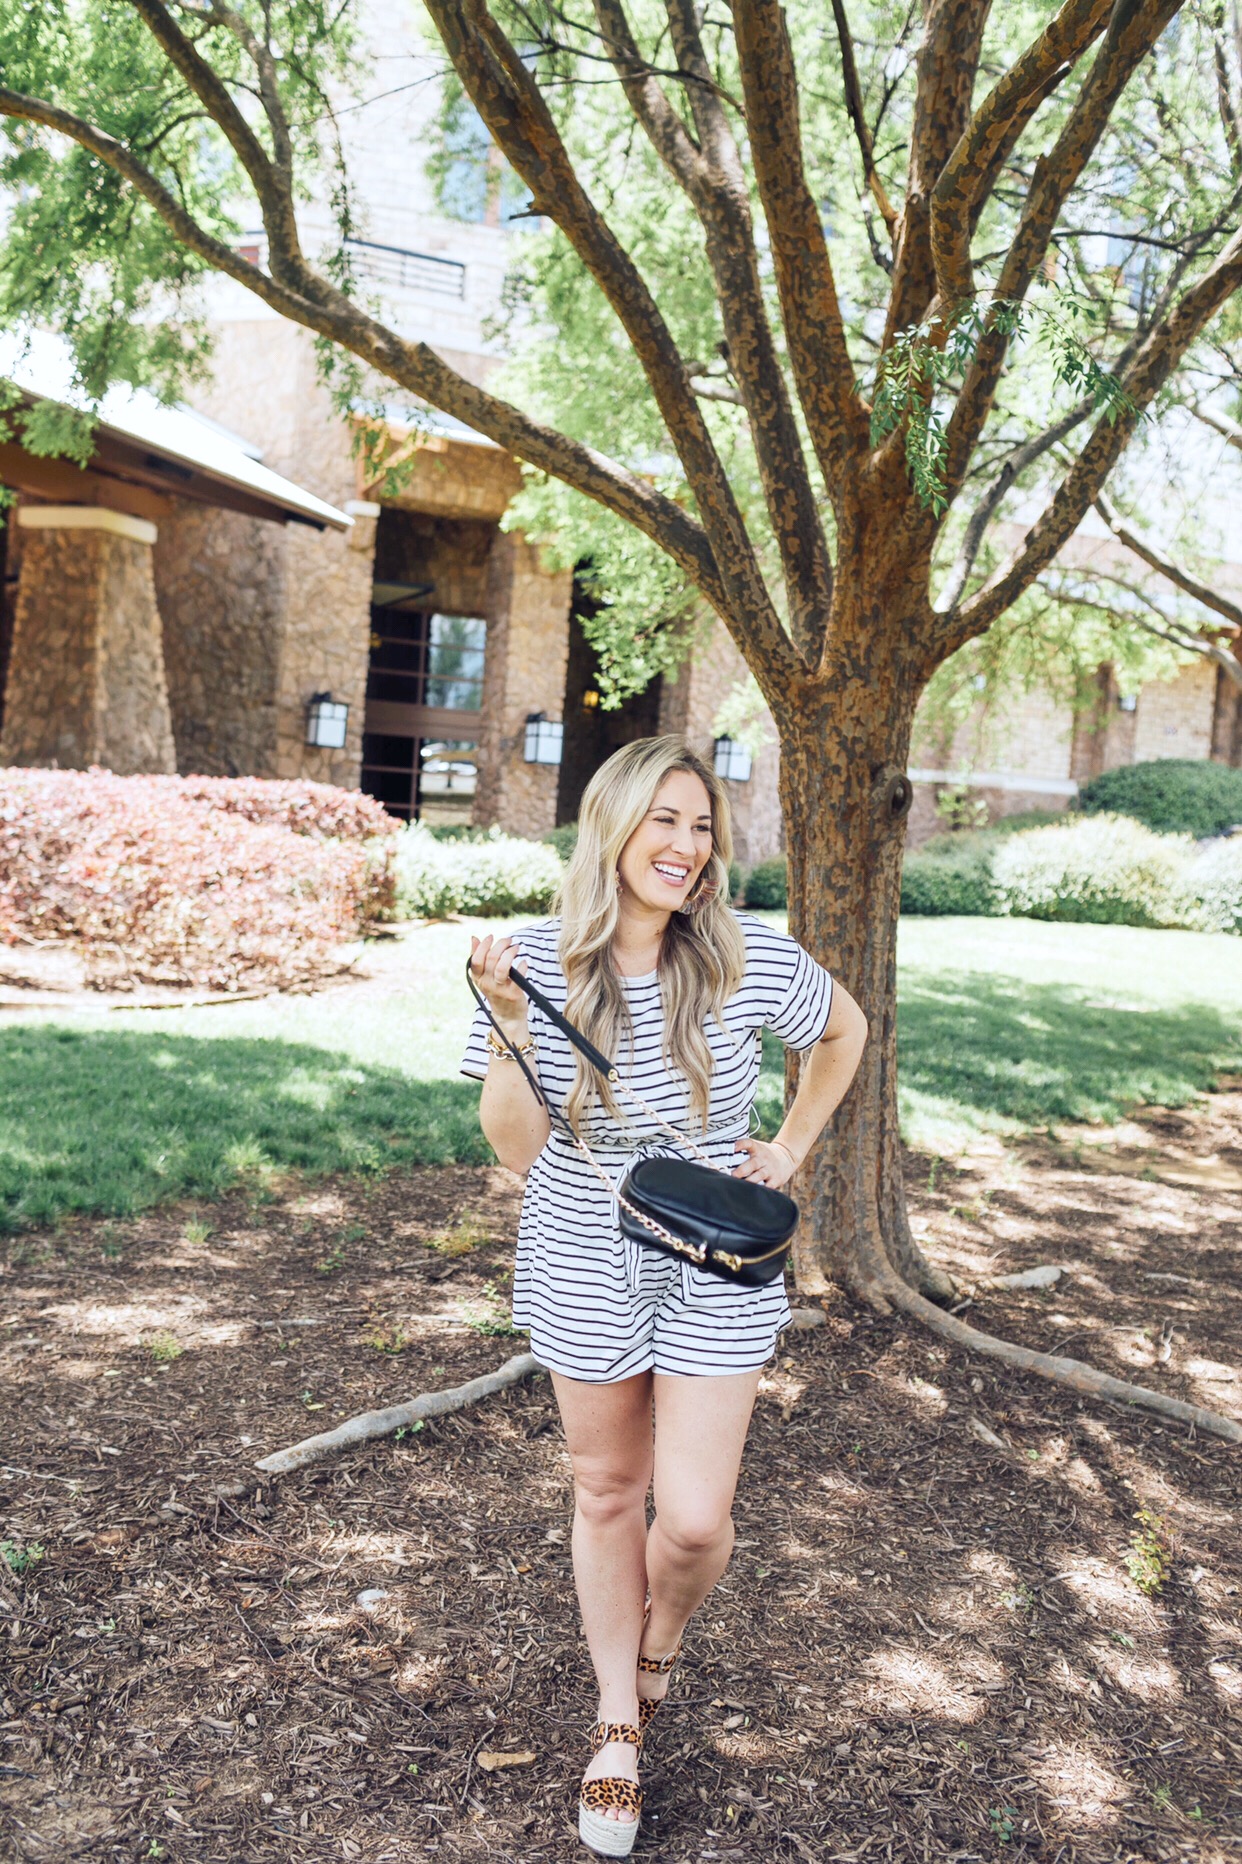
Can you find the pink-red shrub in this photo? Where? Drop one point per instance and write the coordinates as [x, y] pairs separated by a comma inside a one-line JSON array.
[[319, 809], [155, 884]]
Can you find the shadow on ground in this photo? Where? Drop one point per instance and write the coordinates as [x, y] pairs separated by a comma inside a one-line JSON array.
[[115, 1120], [1035, 1054], [928, 1647]]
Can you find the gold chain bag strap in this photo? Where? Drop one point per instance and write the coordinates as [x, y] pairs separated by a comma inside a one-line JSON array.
[[732, 1227]]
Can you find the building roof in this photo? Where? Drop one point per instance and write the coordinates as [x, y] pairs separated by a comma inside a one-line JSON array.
[[170, 450]]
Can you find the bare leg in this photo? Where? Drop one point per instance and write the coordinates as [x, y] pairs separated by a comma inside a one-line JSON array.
[[701, 1426], [609, 1433]]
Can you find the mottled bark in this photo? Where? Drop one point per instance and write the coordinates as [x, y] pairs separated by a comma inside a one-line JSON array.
[[845, 794]]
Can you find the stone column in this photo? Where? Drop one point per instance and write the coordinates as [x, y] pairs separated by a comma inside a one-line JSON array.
[[86, 674], [527, 650]]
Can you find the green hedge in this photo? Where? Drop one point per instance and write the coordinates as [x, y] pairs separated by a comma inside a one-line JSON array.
[[494, 875], [1099, 869], [1172, 794], [768, 884], [563, 838], [952, 878]]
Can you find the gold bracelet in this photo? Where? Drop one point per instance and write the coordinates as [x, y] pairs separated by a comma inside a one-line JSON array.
[[497, 1048]]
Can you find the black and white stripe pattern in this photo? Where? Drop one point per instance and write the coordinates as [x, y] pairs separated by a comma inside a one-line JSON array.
[[599, 1308]]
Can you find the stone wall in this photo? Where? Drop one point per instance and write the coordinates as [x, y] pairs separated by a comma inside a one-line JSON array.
[[264, 386], [86, 678], [451, 479], [453, 554], [1103, 732], [1174, 717], [524, 672], [221, 582]]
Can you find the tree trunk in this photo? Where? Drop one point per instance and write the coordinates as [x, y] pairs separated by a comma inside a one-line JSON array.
[[845, 796]]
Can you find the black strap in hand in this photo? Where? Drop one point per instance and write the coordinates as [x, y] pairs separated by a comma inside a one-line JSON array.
[[595, 1056]]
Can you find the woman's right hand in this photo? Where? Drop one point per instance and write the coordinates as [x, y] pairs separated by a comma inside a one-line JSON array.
[[491, 960]]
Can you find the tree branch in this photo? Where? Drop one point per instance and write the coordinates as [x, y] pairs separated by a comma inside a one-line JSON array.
[[1164, 565], [413, 365], [1171, 632], [1156, 358], [1132, 31], [1017, 463], [367, 1426], [971, 170], [1224, 90], [947, 63], [260, 54], [273, 184], [509, 100], [1071, 1373], [814, 329], [711, 174], [1220, 423], [709, 390], [858, 117]]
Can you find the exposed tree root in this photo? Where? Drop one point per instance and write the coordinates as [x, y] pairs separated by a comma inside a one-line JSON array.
[[371, 1424], [1071, 1372]]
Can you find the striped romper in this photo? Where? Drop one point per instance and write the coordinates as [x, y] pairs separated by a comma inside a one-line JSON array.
[[600, 1308]]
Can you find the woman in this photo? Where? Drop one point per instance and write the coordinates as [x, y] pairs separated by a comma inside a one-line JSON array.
[[648, 959]]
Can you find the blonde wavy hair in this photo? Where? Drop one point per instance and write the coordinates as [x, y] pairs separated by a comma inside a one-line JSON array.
[[703, 954]]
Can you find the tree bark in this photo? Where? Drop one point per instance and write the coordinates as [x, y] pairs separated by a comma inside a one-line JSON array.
[[845, 741]]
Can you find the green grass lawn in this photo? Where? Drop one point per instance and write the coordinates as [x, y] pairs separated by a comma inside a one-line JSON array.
[[1006, 1026]]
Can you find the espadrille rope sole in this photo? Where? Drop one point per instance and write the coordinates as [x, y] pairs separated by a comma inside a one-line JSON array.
[[611, 1838]]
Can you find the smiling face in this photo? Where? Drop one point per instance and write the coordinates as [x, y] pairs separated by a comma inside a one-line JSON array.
[[661, 862]]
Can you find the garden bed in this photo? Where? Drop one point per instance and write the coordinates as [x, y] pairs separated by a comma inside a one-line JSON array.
[[927, 1647]]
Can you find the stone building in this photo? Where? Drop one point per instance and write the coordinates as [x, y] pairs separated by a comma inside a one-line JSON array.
[[1036, 752], [180, 614], [123, 638]]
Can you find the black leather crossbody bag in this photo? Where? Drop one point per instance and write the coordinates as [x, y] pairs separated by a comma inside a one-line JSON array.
[[732, 1227]]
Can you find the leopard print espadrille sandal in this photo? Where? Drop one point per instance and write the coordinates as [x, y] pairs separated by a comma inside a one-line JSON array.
[[610, 1838]]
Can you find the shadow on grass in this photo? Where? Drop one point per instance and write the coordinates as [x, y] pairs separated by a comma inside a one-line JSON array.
[[115, 1121], [987, 1053], [1000, 1052]]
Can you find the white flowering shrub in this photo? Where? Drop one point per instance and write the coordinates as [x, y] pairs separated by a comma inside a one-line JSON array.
[[1214, 882], [497, 875], [1103, 870]]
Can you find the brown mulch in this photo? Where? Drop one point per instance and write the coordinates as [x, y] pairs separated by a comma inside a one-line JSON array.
[[926, 1647]]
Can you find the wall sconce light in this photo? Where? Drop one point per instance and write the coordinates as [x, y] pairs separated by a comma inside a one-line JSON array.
[[732, 760], [1127, 702], [590, 700], [543, 739], [326, 719]]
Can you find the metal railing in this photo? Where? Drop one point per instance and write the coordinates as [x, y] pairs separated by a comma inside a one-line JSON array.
[[410, 271], [386, 265]]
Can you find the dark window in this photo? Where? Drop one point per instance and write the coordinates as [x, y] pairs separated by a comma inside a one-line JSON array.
[[388, 772], [419, 658]]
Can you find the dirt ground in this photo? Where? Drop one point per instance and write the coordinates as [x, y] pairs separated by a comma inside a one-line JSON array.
[[929, 1645]]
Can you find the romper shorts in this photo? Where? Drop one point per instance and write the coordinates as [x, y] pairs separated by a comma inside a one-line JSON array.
[[601, 1308]]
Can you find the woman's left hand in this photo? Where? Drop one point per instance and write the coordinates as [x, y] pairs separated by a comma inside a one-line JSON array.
[[766, 1164]]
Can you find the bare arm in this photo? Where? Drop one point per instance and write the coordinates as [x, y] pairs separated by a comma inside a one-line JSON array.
[[514, 1123], [828, 1071]]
